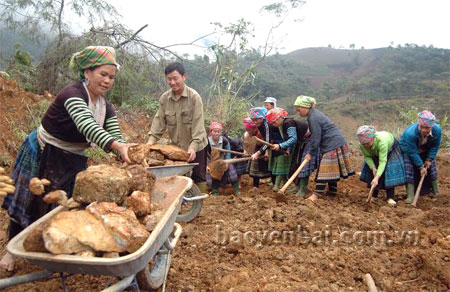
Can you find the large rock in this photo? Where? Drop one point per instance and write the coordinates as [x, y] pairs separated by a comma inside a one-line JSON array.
[[138, 153], [156, 155], [101, 183], [34, 241], [103, 227], [171, 152], [154, 162], [150, 221], [139, 202], [76, 231], [140, 179], [128, 232]]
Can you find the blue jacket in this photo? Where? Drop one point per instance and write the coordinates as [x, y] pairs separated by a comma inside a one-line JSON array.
[[409, 142]]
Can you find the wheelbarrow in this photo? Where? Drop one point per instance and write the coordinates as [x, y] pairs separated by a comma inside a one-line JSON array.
[[132, 268], [193, 198]]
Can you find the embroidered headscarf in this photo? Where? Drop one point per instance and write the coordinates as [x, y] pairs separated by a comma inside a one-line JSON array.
[[365, 134], [305, 101], [93, 56], [214, 125], [248, 124], [427, 119], [258, 112], [275, 113]]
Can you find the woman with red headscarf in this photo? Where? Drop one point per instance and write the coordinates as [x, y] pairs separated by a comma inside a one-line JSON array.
[[216, 139], [294, 133]]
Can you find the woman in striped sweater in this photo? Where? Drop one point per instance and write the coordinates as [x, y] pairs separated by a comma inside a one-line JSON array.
[[79, 117]]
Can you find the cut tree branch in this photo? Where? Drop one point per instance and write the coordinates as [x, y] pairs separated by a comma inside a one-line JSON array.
[[132, 37]]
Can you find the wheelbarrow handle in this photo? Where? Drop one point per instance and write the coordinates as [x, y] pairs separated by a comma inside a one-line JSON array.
[[171, 243]]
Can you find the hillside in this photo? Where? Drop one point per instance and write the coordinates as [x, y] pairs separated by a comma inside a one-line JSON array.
[[328, 73]]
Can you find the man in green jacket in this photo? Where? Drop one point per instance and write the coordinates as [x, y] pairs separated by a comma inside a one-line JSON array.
[[181, 114]]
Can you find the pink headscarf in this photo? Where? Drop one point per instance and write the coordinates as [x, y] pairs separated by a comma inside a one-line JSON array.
[[275, 113], [248, 123], [365, 134], [427, 119], [214, 125]]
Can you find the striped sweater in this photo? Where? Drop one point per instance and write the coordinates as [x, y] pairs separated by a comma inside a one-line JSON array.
[[68, 118]]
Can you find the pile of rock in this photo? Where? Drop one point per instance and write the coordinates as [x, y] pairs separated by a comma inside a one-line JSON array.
[[157, 155], [111, 214]]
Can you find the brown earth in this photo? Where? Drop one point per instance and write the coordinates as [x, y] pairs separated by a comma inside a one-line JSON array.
[[253, 243]]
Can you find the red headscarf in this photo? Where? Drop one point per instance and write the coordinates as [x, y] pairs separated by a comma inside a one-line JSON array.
[[275, 113], [214, 125], [248, 123]]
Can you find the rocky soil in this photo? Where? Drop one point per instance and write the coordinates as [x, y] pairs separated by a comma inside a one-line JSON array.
[[254, 243]]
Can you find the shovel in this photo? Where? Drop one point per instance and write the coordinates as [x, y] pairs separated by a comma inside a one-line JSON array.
[[219, 166], [416, 196]]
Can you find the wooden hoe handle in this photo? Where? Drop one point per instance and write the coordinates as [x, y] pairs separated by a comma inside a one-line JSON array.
[[291, 179], [416, 196]]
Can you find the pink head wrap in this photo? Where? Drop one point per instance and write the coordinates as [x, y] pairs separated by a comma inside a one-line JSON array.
[[275, 113], [365, 134], [214, 125], [248, 123], [427, 119]]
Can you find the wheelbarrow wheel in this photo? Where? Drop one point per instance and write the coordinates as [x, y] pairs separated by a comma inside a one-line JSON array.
[[153, 275], [190, 210]]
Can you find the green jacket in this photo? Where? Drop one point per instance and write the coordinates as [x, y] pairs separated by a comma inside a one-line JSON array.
[[182, 118], [382, 145]]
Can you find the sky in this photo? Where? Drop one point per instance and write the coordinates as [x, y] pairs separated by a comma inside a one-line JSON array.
[[317, 23]]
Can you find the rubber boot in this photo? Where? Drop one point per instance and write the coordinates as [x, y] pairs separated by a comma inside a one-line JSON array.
[[303, 187], [235, 185], [276, 186], [202, 186], [435, 187], [292, 189], [410, 193]]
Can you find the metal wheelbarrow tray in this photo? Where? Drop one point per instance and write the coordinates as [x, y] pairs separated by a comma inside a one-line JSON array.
[[168, 193], [167, 170]]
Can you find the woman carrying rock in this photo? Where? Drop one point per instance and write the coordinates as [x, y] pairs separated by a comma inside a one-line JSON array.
[[79, 117]]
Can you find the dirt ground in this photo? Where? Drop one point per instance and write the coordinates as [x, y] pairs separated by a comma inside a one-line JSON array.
[[254, 243]]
